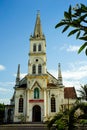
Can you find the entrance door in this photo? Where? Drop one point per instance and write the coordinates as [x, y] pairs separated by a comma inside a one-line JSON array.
[[36, 113]]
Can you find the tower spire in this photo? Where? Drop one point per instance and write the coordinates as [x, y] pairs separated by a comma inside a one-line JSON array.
[[59, 75], [18, 75], [38, 28]]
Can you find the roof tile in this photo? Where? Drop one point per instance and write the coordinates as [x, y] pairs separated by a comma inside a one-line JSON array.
[[69, 92]]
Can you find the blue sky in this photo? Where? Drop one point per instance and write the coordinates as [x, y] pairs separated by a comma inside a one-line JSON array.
[[17, 21]]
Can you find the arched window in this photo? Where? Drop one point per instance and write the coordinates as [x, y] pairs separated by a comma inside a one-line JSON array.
[[33, 69], [34, 47], [39, 47], [36, 93], [53, 104], [20, 104], [39, 69]]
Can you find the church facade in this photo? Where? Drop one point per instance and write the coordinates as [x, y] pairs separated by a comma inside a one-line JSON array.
[[39, 95]]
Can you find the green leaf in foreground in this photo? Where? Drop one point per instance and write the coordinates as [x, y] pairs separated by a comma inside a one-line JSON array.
[[82, 47]]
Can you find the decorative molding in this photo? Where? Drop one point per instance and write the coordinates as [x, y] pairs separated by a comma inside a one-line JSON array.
[[36, 54], [36, 100], [37, 76]]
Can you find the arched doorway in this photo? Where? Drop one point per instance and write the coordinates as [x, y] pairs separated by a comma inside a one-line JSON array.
[[36, 113]]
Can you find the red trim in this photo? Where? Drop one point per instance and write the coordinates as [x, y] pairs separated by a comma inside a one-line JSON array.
[[37, 100]]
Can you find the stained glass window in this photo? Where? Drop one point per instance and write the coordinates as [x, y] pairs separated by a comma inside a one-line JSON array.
[[36, 93]]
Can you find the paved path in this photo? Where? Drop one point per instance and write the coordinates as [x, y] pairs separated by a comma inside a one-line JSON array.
[[25, 127]]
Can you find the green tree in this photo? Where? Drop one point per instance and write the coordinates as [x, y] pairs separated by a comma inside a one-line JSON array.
[[81, 115], [76, 18], [83, 92], [67, 120], [60, 120], [2, 109]]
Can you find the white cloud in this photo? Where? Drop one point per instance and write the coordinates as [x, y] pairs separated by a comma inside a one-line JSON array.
[[4, 90], [5, 100], [73, 48], [2, 67], [71, 83], [70, 48], [75, 75], [7, 84], [22, 75], [54, 73], [76, 71]]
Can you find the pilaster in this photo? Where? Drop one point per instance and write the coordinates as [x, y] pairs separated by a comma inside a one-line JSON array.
[[27, 106]]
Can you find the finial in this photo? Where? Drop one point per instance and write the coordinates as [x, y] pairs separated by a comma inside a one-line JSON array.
[[59, 65], [38, 12]]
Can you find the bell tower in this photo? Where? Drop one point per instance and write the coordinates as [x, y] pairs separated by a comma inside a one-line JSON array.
[[37, 73], [37, 53]]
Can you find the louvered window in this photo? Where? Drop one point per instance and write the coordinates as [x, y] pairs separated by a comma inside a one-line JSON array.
[[34, 47], [39, 69], [33, 69], [39, 47]]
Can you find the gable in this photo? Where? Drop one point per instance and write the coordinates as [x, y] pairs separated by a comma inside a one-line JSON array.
[[35, 84], [52, 79]]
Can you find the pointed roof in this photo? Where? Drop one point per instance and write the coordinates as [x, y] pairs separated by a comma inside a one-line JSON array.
[[18, 72], [18, 75], [38, 28], [69, 92], [59, 71]]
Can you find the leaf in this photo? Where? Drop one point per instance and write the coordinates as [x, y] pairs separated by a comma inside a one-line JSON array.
[[70, 12], [82, 5], [83, 38], [78, 34], [60, 24], [66, 15], [82, 47], [70, 9], [84, 8], [75, 23], [86, 51], [83, 17], [85, 33], [66, 27], [72, 32]]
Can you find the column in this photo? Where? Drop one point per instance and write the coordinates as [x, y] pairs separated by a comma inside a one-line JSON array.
[[27, 106], [48, 102], [44, 102]]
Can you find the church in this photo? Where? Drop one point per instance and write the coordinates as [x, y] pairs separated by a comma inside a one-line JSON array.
[[39, 95]]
